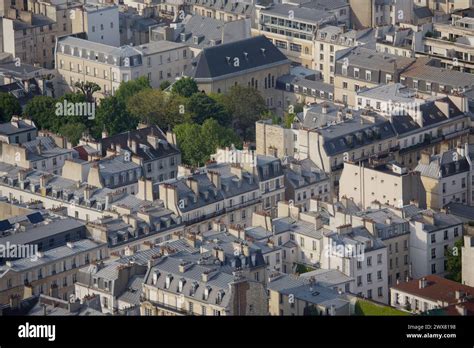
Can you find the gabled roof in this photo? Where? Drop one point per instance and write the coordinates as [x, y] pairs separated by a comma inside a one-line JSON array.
[[236, 57]]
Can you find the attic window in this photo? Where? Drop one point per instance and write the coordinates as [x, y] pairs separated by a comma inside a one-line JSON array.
[[169, 278], [207, 291]]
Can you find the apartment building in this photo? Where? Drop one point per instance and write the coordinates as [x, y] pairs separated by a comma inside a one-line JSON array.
[[199, 32], [365, 68], [428, 77], [292, 295], [175, 287], [253, 62], [99, 21], [432, 234], [428, 293], [82, 60], [228, 193], [53, 273], [303, 86], [369, 13], [329, 135], [452, 44], [147, 146], [394, 231], [445, 178], [17, 131], [357, 253], [118, 282], [330, 42], [467, 253], [127, 234], [40, 153], [223, 10], [267, 172], [304, 181], [43, 231], [291, 29], [384, 182]]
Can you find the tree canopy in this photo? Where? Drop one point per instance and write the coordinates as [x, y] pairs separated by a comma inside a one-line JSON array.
[[9, 106], [185, 87]]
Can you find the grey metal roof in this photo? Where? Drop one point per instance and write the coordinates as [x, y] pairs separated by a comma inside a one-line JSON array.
[[424, 70], [306, 14], [9, 129], [43, 230], [301, 289], [443, 165], [134, 290], [328, 277], [52, 255]]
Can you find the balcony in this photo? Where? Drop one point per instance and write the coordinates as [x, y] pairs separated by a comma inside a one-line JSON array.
[[170, 309]]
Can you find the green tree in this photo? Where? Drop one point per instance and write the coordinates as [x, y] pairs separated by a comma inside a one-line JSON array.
[[88, 89], [246, 105], [149, 106], [9, 106], [129, 88], [112, 116], [453, 257], [164, 85], [198, 142], [73, 132], [202, 107], [193, 151], [185, 87], [41, 110]]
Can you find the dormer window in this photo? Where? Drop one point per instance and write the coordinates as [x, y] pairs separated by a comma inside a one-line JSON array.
[[181, 284], [156, 275], [169, 278], [207, 291], [194, 288], [220, 296]]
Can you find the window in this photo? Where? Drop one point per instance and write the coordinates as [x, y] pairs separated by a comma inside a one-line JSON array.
[[433, 238], [433, 268], [369, 277], [369, 261], [368, 75], [433, 253], [456, 232], [302, 242]]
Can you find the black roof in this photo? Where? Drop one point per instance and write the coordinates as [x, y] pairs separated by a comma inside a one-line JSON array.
[[432, 114], [140, 136], [5, 225], [222, 60], [35, 217], [404, 124]]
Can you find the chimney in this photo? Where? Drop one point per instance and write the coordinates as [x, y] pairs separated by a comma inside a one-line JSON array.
[[215, 178], [425, 157], [193, 185], [171, 138], [325, 108], [422, 283], [145, 190]]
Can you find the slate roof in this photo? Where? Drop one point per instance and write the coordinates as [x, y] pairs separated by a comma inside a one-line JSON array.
[[211, 29], [218, 282], [52, 255], [253, 53], [425, 70], [404, 124], [443, 165], [147, 152], [352, 134], [301, 289], [9, 129]]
